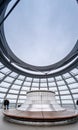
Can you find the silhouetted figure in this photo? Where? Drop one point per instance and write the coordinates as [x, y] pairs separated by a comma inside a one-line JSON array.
[[77, 102], [19, 105], [6, 104], [77, 1]]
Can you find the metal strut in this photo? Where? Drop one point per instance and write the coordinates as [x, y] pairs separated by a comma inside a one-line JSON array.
[[9, 12]]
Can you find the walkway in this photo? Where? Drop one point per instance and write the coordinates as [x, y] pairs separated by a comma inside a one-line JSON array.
[[5, 125]]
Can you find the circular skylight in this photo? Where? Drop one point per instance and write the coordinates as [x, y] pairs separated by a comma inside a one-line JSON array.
[[42, 32]]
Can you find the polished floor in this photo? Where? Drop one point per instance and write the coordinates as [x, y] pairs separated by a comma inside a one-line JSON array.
[[5, 125]]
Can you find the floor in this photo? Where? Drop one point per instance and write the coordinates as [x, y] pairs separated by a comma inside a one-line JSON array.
[[5, 125]]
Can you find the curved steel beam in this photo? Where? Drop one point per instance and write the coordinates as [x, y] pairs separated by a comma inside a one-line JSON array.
[[7, 52]]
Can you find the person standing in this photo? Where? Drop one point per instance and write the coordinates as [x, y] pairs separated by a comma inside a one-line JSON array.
[[6, 104], [77, 102]]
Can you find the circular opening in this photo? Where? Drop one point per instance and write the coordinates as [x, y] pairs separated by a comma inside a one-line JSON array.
[[42, 32]]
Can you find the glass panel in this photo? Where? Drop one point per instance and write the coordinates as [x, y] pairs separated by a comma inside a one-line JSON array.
[[68, 97], [63, 87], [61, 83], [70, 80], [13, 91], [1, 76], [75, 85], [17, 87], [4, 84], [64, 92], [19, 82], [2, 95], [58, 78], [9, 79], [11, 96]]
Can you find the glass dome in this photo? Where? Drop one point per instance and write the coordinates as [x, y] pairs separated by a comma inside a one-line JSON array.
[[15, 86], [17, 77]]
